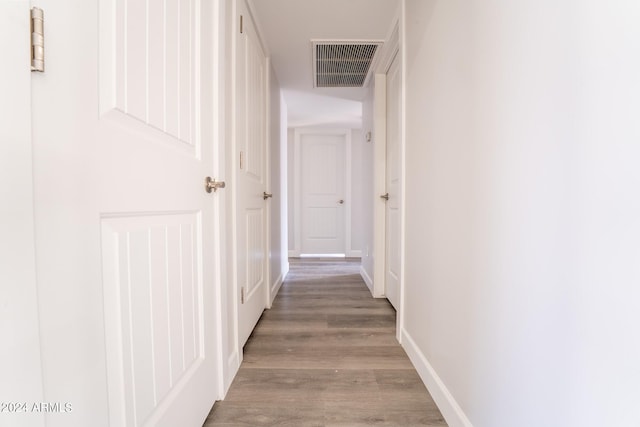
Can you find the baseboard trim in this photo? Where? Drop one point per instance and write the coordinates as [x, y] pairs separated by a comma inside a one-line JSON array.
[[233, 365], [275, 287], [354, 254], [451, 411], [367, 279], [294, 254]]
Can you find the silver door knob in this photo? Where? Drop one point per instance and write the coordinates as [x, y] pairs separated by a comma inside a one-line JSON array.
[[266, 195], [212, 184], [341, 201], [385, 196]]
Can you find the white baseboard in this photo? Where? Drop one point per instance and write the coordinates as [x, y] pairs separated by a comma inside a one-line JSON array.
[[275, 287], [294, 254], [233, 365], [451, 411], [354, 254], [368, 280]]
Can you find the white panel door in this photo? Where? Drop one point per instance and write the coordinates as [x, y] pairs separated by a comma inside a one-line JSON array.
[[322, 166], [393, 186], [251, 168], [124, 229]]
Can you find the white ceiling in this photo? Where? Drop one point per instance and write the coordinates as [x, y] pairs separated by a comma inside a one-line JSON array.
[[287, 27]]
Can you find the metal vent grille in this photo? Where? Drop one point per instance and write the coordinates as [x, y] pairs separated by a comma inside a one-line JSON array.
[[343, 63]]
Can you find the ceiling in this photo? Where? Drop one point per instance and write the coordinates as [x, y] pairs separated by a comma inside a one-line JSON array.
[[287, 28]]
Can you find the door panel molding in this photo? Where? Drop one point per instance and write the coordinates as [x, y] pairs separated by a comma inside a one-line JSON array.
[[164, 55], [153, 288]]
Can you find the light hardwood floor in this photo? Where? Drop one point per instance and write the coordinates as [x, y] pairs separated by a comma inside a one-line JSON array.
[[326, 355]]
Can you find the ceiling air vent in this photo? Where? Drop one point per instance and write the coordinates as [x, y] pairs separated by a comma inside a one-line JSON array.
[[344, 63]]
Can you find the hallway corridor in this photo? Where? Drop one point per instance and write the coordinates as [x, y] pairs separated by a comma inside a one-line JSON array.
[[326, 355]]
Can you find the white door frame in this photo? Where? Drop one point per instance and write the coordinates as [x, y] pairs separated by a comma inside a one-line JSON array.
[[394, 47], [297, 188], [20, 360]]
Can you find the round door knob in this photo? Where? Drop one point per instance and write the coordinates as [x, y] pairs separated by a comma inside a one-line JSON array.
[[341, 201]]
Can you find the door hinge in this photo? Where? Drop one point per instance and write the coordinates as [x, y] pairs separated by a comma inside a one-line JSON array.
[[37, 39], [241, 24], [241, 160], [242, 295]]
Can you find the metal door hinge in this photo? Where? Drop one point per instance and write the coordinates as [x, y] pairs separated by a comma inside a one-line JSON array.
[[37, 39], [241, 160], [241, 295], [241, 24]]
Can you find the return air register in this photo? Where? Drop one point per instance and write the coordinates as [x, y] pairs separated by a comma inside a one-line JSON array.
[[343, 63]]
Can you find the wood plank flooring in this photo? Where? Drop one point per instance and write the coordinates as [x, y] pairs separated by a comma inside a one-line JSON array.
[[326, 355]]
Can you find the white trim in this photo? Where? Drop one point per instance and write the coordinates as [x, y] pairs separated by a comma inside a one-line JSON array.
[[323, 256], [21, 358], [367, 280], [297, 191], [219, 209], [403, 196], [233, 365], [451, 411], [297, 207], [235, 352], [354, 253], [274, 288], [268, 298], [379, 184], [390, 48], [348, 193]]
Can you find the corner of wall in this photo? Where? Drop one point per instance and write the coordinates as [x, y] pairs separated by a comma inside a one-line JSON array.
[[275, 287], [367, 279], [233, 365], [451, 411]]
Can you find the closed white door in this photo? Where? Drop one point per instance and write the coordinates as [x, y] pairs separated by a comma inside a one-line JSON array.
[[393, 186], [251, 178], [124, 228], [323, 194]]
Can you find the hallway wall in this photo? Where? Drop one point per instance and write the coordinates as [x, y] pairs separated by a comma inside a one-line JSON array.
[[522, 212], [367, 188], [290, 187]]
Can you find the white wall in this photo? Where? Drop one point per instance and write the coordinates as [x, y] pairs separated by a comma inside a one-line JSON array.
[[522, 264], [357, 192], [367, 177], [290, 187], [284, 184]]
